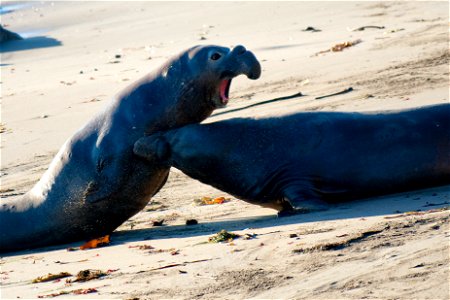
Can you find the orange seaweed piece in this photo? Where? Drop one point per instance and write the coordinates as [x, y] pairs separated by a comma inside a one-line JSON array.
[[95, 243], [210, 201], [342, 46]]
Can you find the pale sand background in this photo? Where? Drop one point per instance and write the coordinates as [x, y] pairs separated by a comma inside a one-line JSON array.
[[46, 98]]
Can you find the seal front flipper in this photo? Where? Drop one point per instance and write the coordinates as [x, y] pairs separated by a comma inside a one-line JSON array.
[[153, 147], [302, 199]]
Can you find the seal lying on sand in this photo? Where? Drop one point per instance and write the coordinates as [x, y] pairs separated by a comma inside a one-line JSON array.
[[6, 35], [307, 160], [95, 183]]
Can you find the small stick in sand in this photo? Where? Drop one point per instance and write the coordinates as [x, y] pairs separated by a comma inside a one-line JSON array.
[[177, 265], [362, 28], [335, 94]]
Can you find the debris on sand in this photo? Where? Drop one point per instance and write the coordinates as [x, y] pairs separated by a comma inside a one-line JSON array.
[[89, 274], [311, 29], [223, 236], [95, 243], [51, 277], [336, 94], [176, 265], [156, 223], [142, 247], [3, 128], [75, 292], [362, 28], [191, 222], [339, 47], [205, 200], [342, 46]]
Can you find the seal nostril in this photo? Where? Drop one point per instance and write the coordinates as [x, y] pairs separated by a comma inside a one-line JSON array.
[[239, 50]]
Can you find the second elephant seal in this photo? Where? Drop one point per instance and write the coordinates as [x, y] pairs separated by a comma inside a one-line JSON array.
[[307, 160]]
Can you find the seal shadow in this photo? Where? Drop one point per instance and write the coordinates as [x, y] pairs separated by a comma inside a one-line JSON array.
[[29, 44], [296, 95], [421, 200]]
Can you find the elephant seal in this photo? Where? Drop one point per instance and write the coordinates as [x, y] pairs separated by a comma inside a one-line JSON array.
[[95, 182], [6, 35], [306, 161]]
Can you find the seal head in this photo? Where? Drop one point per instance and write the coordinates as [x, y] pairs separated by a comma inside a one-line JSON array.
[[211, 70]]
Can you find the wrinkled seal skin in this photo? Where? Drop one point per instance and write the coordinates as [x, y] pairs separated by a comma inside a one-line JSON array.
[[306, 161], [95, 182]]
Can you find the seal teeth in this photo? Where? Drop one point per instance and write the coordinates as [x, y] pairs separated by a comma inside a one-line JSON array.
[[224, 89]]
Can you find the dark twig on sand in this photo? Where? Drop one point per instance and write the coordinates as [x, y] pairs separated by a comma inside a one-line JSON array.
[[177, 265], [367, 27], [335, 94]]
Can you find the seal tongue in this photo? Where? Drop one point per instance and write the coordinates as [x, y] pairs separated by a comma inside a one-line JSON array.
[[224, 89]]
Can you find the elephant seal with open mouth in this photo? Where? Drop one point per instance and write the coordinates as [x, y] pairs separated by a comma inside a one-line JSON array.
[[95, 182]]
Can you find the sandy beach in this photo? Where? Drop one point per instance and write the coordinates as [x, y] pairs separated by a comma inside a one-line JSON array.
[[77, 55]]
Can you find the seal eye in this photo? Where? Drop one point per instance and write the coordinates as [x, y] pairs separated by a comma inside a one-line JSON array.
[[216, 56]]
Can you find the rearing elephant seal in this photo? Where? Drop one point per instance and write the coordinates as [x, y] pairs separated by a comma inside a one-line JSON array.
[[95, 182], [307, 160]]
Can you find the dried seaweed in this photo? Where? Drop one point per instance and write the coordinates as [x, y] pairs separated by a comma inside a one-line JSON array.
[[95, 243], [75, 292], [339, 47], [50, 277], [223, 236], [210, 200], [89, 274]]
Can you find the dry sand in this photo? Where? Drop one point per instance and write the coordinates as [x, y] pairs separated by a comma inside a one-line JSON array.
[[66, 70]]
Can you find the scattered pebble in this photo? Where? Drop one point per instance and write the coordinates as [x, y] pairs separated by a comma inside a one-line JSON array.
[[158, 223], [311, 29], [191, 222]]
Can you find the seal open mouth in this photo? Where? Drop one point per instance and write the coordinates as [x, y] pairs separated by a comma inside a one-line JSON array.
[[224, 89]]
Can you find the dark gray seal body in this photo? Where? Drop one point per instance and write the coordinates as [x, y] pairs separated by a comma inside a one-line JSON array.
[[95, 182], [307, 160], [6, 35]]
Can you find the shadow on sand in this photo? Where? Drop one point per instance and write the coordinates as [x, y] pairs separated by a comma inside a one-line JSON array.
[[413, 201], [29, 44], [423, 200]]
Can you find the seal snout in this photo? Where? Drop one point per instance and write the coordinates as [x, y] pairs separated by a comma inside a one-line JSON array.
[[240, 61], [239, 50], [249, 63]]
